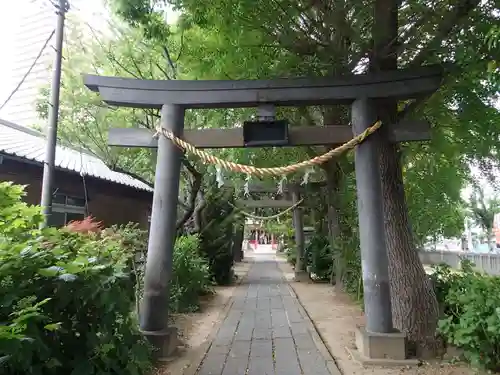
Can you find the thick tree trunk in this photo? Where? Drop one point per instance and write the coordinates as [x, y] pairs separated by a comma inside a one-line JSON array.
[[414, 304]]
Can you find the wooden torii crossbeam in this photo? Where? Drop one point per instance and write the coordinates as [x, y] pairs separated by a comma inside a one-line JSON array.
[[296, 92], [174, 97], [404, 131], [285, 92]]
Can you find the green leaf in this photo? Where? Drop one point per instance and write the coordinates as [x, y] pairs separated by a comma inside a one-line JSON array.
[[53, 326], [4, 359], [50, 271]]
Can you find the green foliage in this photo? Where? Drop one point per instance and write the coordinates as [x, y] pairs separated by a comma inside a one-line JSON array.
[[217, 234], [443, 278], [493, 40], [483, 210], [319, 257], [190, 272], [134, 240], [16, 219], [247, 39], [471, 306], [66, 298], [191, 275], [278, 229], [84, 120], [291, 254], [289, 245], [140, 12]]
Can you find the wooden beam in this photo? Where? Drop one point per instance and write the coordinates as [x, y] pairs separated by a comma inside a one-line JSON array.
[[270, 188], [251, 203], [406, 131], [399, 84]]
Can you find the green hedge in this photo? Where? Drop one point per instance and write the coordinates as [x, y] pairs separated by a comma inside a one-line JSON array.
[[216, 237], [191, 275], [67, 297], [470, 303], [319, 257]]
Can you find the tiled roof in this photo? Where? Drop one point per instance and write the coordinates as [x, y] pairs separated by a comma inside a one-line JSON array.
[[29, 144]]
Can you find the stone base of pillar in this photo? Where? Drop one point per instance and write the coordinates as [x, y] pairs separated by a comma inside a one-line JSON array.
[[381, 349], [165, 343], [301, 276]]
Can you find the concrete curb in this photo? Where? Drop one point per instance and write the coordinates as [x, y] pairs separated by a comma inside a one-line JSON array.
[[331, 363], [196, 357]]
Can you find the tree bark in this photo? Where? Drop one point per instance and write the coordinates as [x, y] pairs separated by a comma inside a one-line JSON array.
[[333, 177], [193, 193], [237, 243], [197, 219], [414, 304]]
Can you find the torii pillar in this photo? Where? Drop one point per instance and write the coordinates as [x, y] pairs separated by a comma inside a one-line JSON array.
[[154, 307]]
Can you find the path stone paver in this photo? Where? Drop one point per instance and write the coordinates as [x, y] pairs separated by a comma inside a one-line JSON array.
[[265, 332]]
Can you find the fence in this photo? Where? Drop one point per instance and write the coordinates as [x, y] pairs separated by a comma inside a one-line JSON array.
[[488, 262]]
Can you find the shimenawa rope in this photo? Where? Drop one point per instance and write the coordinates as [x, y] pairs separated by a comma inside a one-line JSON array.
[[252, 216], [273, 171]]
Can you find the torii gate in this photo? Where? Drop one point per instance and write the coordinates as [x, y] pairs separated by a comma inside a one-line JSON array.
[[292, 198], [360, 91]]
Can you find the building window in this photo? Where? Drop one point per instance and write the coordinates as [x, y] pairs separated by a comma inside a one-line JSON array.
[[66, 208]]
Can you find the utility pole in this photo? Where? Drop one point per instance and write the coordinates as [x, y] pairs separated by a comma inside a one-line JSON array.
[[50, 150]]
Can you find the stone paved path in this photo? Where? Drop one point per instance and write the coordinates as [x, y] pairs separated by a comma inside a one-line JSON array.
[[264, 332]]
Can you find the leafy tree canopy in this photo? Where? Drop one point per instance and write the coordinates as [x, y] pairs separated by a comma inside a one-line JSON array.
[[256, 39], [248, 39]]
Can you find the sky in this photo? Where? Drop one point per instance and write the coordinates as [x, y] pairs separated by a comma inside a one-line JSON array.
[[11, 13], [10, 16]]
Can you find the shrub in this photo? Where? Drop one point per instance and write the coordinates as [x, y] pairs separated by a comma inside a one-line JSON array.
[[65, 298], [291, 255], [86, 225], [471, 305], [216, 236], [319, 256], [290, 247], [443, 278], [191, 275], [17, 220]]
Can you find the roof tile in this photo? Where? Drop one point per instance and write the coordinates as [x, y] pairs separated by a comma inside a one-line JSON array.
[[29, 144]]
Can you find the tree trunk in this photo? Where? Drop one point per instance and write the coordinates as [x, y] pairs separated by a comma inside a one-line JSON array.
[[238, 243], [414, 304], [333, 176]]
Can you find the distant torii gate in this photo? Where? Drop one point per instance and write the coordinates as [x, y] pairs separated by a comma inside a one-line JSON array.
[[292, 191], [174, 97]]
